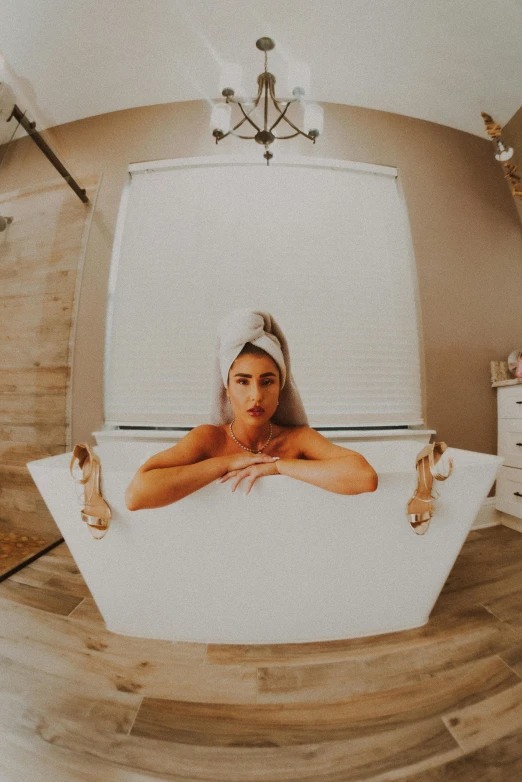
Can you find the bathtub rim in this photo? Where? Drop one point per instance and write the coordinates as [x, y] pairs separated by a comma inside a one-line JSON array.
[[472, 457]]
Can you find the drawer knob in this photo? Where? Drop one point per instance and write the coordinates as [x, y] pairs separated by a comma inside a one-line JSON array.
[[518, 443], [517, 494], [519, 403]]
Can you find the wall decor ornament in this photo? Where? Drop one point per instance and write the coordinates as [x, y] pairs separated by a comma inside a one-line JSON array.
[[503, 153], [515, 363]]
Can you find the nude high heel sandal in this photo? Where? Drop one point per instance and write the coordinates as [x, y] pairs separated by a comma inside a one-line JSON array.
[[419, 515], [436, 456], [96, 513], [420, 509]]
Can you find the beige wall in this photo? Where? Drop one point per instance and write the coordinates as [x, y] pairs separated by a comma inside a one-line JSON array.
[[466, 231], [513, 135]]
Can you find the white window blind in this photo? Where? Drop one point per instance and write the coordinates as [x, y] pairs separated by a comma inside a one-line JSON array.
[[322, 245]]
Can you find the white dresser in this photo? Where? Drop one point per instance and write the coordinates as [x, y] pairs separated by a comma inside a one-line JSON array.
[[509, 481]]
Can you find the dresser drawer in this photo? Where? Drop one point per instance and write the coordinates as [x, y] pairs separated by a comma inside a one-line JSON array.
[[509, 400], [510, 441], [509, 491]]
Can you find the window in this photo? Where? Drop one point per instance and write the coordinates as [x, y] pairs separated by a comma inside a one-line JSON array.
[[323, 245]]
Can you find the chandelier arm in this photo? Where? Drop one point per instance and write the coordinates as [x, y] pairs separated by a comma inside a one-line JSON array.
[[246, 116], [283, 113], [276, 102], [306, 135], [237, 135], [293, 135], [236, 127], [232, 99]]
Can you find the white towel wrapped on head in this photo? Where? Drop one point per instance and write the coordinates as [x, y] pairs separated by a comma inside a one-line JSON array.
[[260, 329]]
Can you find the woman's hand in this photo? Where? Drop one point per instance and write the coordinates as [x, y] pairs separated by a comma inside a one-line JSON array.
[[239, 461], [252, 472]]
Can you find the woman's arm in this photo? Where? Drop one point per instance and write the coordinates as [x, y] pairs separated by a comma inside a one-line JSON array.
[[320, 462], [329, 466], [175, 473]]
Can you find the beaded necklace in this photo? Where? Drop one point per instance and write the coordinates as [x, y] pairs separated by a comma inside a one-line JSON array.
[[251, 449]]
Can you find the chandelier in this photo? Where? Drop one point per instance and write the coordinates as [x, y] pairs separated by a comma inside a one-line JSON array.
[[221, 113]]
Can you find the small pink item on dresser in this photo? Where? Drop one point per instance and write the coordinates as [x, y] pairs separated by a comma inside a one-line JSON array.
[[515, 363]]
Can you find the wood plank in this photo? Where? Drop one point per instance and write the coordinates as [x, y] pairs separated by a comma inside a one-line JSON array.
[[507, 607], [483, 723], [31, 380], [56, 566], [483, 586], [69, 585], [43, 598], [37, 354], [25, 501], [93, 654], [36, 432], [436, 691], [18, 454], [30, 576], [500, 761], [31, 282], [456, 637], [25, 756], [366, 758]]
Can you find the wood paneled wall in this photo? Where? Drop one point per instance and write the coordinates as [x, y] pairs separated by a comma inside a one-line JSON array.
[[41, 255]]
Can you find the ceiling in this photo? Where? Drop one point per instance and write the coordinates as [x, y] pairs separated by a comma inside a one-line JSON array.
[[439, 60]]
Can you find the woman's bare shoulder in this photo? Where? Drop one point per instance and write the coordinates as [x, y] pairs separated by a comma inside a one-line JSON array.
[[293, 435], [208, 434], [311, 444], [296, 431]]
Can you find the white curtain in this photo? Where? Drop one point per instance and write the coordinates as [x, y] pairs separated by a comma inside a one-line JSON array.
[[322, 245]]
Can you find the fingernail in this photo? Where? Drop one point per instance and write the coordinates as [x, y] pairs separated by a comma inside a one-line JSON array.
[[276, 457]]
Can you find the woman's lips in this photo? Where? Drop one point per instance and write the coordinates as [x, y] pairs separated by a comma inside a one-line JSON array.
[[255, 411]]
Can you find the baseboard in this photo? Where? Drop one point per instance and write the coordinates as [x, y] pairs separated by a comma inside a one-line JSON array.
[[511, 521], [489, 516]]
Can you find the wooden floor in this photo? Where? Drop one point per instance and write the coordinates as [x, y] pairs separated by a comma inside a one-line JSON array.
[[443, 702]]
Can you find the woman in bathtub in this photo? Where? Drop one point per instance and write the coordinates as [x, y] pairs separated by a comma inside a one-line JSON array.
[[259, 427]]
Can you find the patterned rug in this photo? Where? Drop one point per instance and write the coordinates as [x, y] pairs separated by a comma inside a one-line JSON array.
[[18, 548]]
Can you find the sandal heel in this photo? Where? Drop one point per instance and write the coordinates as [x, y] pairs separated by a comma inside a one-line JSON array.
[[96, 512], [420, 520], [439, 448]]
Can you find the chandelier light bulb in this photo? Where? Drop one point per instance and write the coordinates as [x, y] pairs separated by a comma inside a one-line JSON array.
[[313, 119], [298, 76], [220, 117]]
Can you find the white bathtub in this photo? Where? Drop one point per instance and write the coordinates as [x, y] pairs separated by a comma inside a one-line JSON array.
[[288, 563]]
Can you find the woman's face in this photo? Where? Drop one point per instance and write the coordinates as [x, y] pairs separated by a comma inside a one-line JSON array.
[[253, 388]]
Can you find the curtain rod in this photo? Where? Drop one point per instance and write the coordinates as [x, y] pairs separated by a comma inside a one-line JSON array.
[[46, 149]]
